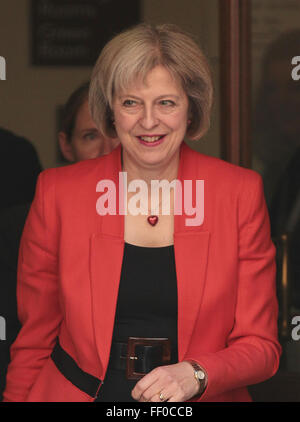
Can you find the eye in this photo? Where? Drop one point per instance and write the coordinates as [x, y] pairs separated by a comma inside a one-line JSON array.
[[129, 103], [169, 103], [89, 136]]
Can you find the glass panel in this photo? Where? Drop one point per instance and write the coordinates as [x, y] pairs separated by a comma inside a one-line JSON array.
[[276, 136]]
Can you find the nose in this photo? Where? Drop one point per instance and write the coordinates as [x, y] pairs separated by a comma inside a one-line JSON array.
[[149, 118]]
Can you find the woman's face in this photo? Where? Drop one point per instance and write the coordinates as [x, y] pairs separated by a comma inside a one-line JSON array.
[[86, 142], [151, 119]]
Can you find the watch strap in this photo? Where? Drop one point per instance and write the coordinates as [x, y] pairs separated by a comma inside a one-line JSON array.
[[200, 375]]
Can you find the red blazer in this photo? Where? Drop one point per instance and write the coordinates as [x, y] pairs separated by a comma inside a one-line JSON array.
[[69, 271]]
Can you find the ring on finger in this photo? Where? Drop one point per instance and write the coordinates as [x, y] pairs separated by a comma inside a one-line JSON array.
[[161, 397]]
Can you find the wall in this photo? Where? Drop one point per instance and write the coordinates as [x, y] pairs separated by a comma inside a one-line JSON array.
[[30, 95]]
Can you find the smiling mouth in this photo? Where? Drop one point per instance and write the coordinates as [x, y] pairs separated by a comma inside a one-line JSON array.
[[150, 139]]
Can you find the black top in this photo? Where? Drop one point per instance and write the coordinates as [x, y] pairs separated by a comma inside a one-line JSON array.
[[146, 307]]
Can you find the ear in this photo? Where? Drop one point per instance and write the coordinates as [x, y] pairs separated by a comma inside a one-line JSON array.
[[66, 147]]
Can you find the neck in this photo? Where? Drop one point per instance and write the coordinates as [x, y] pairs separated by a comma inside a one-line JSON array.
[[166, 171]]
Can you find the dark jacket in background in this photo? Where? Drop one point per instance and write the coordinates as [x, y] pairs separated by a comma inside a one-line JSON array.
[[12, 221], [285, 218], [19, 168]]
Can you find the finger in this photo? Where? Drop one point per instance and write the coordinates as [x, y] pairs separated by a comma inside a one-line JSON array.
[[153, 391], [161, 392], [143, 384], [161, 397]]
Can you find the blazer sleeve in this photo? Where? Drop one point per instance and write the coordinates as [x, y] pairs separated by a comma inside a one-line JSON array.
[[37, 292], [253, 351]]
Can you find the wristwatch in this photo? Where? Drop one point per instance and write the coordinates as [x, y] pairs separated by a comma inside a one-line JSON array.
[[200, 375]]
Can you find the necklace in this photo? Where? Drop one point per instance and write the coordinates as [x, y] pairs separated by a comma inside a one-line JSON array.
[[152, 220]]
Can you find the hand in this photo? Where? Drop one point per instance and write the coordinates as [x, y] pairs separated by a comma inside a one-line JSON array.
[[175, 382]]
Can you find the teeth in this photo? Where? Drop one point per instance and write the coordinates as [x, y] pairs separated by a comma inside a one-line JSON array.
[[150, 138]]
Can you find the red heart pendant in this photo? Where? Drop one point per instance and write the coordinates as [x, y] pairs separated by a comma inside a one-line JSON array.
[[152, 219]]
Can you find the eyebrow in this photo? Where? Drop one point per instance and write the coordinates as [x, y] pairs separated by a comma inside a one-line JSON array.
[[92, 129], [157, 98]]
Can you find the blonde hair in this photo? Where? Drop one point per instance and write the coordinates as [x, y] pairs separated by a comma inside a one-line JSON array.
[[132, 54]]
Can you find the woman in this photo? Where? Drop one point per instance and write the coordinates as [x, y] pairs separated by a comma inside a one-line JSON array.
[[79, 138], [159, 305]]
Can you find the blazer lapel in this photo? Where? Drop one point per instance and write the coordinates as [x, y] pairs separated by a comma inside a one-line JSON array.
[[191, 245], [191, 252], [106, 256], [106, 263]]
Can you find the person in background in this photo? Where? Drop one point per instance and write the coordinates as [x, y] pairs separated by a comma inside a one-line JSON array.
[[79, 139], [19, 170]]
